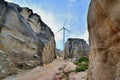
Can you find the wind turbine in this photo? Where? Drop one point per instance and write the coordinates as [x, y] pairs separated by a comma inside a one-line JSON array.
[[64, 29]]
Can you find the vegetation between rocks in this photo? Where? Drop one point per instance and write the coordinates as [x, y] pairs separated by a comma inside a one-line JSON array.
[[82, 64]]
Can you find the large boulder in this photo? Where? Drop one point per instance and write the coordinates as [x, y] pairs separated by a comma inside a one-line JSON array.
[[26, 39], [104, 33], [75, 48]]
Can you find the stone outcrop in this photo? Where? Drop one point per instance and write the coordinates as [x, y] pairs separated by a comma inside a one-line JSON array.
[[104, 33], [75, 48], [24, 36]]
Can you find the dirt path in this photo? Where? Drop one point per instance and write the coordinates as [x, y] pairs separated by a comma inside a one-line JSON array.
[[43, 73]]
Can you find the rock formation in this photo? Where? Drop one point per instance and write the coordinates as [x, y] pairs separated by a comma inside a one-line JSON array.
[[104, 33], [24, 37], [75, 48]]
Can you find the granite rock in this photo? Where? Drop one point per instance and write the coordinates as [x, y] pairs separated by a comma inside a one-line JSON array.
[[104, 38]]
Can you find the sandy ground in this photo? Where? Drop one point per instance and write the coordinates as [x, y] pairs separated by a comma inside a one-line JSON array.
[[78, 76], [47, 72]]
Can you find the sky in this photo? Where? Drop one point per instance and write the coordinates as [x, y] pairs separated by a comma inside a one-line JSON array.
[[55, 12]]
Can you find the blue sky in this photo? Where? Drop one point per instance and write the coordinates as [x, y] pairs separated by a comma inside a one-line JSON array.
[[54, 13]]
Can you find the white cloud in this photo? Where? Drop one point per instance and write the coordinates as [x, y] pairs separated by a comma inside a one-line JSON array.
[[71, 3], [8, 0]]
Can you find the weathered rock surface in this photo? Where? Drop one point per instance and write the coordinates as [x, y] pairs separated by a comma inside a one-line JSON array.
[[24, 36], [75, 48], [104, 32], [6, 66]]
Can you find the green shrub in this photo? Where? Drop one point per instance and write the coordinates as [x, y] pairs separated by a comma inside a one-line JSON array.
[[82, 64], [83, 67], [85, 59]]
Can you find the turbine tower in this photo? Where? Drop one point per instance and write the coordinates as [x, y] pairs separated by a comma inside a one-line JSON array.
[[64, 29]]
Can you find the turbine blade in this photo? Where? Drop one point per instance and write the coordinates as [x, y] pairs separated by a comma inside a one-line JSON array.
[[64, 22], [67, 30], [63, 26], [59, 30]]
